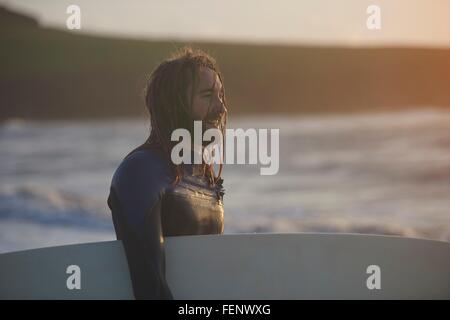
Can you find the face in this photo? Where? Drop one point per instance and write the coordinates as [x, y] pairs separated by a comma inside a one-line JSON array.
[[207, 103]]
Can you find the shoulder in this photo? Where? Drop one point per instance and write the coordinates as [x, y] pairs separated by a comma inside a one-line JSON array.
[[142, 169]]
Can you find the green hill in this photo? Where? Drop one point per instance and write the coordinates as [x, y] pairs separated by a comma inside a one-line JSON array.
[[47, 73]]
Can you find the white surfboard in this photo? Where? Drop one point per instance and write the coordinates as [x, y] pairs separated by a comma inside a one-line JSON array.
[[241, 266]]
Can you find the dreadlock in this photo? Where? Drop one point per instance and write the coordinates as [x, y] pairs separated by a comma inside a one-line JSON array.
[[169, 106]]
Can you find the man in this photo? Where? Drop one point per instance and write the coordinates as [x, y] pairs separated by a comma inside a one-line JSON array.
[[151, 197]]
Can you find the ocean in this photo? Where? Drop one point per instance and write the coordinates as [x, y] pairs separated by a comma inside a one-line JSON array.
[[384, 173]]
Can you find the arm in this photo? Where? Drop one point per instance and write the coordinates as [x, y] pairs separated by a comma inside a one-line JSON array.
[[135, 202]]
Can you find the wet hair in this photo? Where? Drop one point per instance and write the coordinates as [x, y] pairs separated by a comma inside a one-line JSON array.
[[169, 106]]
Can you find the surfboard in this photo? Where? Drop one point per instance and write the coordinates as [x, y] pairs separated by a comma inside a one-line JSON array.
[[241, 266]]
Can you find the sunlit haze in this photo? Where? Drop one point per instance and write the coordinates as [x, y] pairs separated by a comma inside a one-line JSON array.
[[403, 22]]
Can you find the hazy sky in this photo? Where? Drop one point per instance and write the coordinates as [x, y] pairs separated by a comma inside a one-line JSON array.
[[403, 22]]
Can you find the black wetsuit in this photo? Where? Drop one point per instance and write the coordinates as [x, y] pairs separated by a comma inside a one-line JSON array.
[[146, 207]]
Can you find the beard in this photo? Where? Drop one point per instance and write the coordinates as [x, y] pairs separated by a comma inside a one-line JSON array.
[[217, 124]]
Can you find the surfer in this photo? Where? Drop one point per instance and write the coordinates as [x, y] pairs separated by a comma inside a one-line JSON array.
[[151, 197]]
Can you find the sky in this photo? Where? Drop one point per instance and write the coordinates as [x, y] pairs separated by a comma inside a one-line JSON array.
[[335, 22]]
